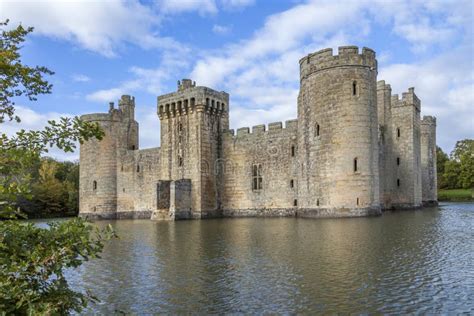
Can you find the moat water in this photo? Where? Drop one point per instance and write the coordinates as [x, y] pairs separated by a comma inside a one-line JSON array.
[[402, 262]]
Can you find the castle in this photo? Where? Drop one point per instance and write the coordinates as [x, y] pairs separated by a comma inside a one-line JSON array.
[[354, 150]]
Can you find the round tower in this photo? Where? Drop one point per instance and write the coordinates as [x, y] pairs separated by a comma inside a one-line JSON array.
[[98, 170], [338, 133], [99, 159]]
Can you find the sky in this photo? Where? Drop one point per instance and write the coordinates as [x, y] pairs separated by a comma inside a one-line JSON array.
[[100, 50]]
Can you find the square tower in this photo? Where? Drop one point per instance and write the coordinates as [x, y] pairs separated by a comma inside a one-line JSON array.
[[192, 121], [406, 160]]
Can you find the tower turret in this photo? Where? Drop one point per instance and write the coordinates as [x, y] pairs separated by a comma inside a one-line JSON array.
[[98, 167], [429, 181], [192, 121], [338, 133], [406, 161]]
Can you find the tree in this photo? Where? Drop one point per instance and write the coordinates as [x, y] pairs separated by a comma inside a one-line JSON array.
[[463, 153], [32, 259], [17, 79], [458, 171], [441, 159], [462, 147], [451, 174]]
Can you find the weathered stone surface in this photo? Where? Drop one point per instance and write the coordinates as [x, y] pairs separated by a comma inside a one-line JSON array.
[[353, 150]]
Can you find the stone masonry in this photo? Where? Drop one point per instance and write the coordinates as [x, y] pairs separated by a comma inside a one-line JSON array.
[[354, 150]]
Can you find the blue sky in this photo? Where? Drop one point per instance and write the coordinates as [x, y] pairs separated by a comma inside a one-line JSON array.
[[248, 48]]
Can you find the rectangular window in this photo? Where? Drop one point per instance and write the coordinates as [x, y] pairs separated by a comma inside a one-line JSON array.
[[398, 161], [398, 182], [292, 151], [257, 180]]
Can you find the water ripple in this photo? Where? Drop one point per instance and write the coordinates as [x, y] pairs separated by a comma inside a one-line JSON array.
[[417, 262]]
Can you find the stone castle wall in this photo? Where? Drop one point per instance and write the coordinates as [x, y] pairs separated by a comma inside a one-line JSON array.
[[353, 150], [260, 169]]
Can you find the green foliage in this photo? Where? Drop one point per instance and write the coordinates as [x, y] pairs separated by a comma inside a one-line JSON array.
[[17, 79], [32, 263], [456, 195], [462, 148], [452, 169], [54, 190], [32, 258], [464, 154], [441, 159], [457, 171]]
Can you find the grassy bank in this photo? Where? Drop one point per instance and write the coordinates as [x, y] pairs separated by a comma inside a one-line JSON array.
[[455, 195]]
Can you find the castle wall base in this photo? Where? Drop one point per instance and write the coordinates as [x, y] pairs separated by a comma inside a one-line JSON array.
[[266, 212], [430, 203], [117, 215], [164, 215], [405, 206], [339, 212]]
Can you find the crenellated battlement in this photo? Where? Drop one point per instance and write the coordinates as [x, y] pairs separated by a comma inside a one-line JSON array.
[[186, 84], [190, 98], [96, 117], [262, 130], [347, 56], [408, 98], [126, 100], [381, 85], [126, 109], [428, 120]]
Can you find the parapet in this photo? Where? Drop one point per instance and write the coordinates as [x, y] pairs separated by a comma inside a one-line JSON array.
[[408, 98], [190, 98], [291, 124], [97, 117], [186, 84], [275, 126], [261, 130], [258, 128], [347, 56], [126, 100], [428, 120], [243, 131], [381, 85]]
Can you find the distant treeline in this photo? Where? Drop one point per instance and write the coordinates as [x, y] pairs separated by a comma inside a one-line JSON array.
[[456, 171], [54, 189]]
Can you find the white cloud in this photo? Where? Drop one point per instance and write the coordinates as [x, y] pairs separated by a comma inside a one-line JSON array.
[[174, 6], [221, 29], [145, 79], [236, 4], [445, 85], [99, 26], [281, 32], [80, 78], [107, 95], [424, 23]]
